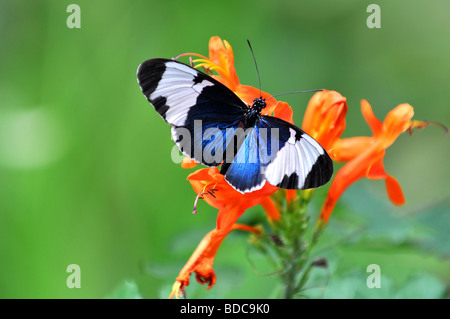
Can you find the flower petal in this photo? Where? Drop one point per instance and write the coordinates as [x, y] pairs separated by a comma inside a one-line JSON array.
[[177, 290], [393, 188], [206, 174], [394, 191], [270, 208], [376, 170], [347, 175], [324, 118], [226, 218], [221, 53], [188, 163], [201, 261], [396, 122], [348, 148], [291, 194], [374, 123], [247, 228], [284, 112]]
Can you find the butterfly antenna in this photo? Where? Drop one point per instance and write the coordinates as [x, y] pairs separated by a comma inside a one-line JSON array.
[[256, 65], [294, 92]]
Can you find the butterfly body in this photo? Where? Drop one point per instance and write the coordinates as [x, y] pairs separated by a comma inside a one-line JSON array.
[[253, 113], [214, 127]]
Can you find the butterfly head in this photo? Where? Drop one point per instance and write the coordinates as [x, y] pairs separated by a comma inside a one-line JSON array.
[[258, 104]]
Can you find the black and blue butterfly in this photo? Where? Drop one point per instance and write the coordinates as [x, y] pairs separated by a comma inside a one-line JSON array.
[[215, 127]]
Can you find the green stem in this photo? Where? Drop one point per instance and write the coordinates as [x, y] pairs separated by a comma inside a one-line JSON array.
[[298, 248], [291, 268]]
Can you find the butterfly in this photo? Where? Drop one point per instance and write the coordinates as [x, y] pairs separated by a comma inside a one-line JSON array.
[[213, 126]]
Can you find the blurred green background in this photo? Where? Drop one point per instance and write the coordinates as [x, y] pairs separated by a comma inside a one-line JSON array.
[[86, 175]]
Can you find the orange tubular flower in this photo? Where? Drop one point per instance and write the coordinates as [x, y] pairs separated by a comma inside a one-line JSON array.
[[324, 118], [221, 195], [364, 155], [221, 60], [210, 185]]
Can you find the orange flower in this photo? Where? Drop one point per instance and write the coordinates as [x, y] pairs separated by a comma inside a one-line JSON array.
[[188, 163], [324, 118], [221, 60], [221, 195], [364, 155], [202, 260], [210, 185]]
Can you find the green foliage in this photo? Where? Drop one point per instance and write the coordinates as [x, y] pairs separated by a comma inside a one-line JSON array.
[[85, 170], [127, 290]]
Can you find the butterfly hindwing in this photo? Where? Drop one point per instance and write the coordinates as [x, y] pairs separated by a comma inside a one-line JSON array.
[[244, 172], [281, 154], [301, 162], [209, 142]]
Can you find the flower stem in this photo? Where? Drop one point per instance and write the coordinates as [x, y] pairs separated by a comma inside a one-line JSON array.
[[297, 248]]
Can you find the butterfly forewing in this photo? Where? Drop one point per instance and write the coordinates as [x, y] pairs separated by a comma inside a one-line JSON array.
[[203, 112], [181, 94]]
